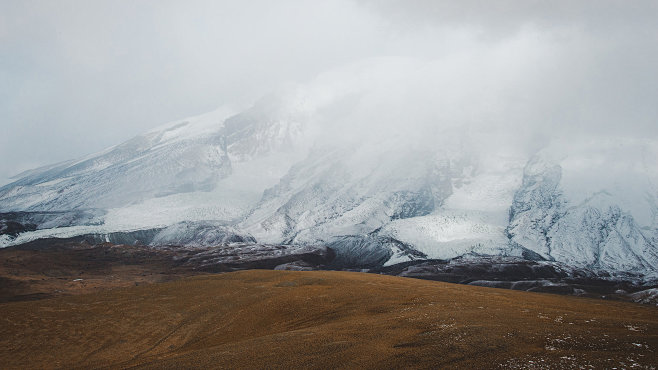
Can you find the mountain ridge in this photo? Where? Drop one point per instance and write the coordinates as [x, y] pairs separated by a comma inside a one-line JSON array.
[[274, 175]]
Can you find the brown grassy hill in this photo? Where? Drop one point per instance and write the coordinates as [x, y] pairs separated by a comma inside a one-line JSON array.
[[324, 319]]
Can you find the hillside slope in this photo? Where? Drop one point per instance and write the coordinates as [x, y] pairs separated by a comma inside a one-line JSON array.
[[277, 319]]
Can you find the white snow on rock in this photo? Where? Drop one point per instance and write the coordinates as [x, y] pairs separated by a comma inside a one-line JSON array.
[[561, 216], [648, 296], [302, 168]]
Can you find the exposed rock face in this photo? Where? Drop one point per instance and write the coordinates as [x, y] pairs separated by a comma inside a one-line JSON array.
[[648, 296], [12, 228], [259, 256], [354, 251], [535, 276]]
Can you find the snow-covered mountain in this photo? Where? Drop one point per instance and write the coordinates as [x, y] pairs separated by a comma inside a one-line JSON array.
[[301, 169], [597, 210]]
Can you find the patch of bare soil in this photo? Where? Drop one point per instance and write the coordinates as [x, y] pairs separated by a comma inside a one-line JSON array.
[[324, 319]]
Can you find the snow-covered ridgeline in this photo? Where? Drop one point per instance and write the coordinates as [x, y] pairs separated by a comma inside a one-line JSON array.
[[301, 169]]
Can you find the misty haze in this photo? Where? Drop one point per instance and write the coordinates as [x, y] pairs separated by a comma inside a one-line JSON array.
[[497, 160]]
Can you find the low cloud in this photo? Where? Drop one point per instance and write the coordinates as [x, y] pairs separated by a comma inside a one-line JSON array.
[[79, 76]]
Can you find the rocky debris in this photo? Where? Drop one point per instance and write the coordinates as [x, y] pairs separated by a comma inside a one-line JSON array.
[[13, 228], [295, 266], [649, 296], [534, 276], [238, 256], [89, 258], [47, 268], [368, 251]]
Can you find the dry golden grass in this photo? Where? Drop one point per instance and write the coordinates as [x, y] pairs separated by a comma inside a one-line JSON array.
[[323, 319]]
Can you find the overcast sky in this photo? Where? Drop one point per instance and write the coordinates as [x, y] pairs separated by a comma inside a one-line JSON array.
[[78, 76]]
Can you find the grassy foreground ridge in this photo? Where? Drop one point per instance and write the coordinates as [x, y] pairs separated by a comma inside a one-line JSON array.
[[324, 319]]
